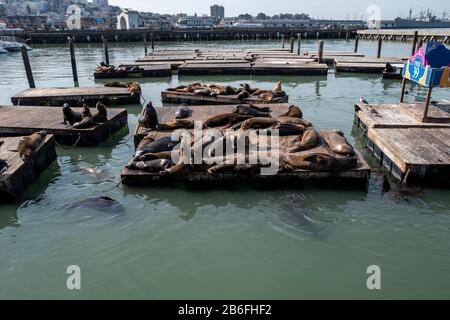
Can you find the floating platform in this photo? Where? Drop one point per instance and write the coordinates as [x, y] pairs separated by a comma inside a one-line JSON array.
[[146, 71], [215, 68], [263, 68], [72, 96], [173, 64], [161, 58], [412, 151], [20, 174], [366, 64], [192, 98], [21, 121]]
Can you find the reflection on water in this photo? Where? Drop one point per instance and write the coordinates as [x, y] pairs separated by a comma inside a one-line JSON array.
[[240, 243]]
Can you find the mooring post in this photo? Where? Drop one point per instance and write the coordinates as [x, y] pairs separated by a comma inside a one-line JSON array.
[[145, 44], [380, 43], [282, 41], [416, 35], [152, 41], [299, 37], [73, 62], [356, 43], [26, 62], [320, 52], [427, 104], [291, 45], [347, 35], [105, 49], [402, 95]]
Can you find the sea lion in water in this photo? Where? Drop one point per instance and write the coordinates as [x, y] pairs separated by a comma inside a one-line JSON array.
[[101, 115], [70, 116], [183, 112], [224, 120], [149, 118], [338, 144], [249, 110], [156, 146], [294, 112], [28, 145], [297, 121], [87, 120], [308, 140], [318, 161], [176, 124], [117, 84], [258, 123], [103, 204]]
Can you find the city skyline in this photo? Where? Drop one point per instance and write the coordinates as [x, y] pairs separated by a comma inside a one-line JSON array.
[[317, 9]]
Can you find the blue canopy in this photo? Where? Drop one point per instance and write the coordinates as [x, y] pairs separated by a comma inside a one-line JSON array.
[[437, 55]]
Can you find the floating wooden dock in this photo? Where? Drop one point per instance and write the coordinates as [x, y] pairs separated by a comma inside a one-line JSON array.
[[366, 64], [215, 68], [145, 71], [20, 174], [192, 98], [262, 68], [90, 95], [20, 121], [412, 151]]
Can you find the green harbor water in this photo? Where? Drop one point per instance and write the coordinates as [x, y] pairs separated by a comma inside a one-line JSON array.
[[237, 244]]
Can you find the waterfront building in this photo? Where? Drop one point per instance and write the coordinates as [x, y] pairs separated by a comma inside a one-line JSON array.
[[217, 11]]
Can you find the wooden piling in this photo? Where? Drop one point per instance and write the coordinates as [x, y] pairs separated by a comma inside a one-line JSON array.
[[356, 43], [105, 49], [73, 62], [145, 44], [347, 35], [299, 37], [320, 52], [26, 62], [427, 104], [152, 41], [380, 43], [416, 35], [282, 41], [291, 45]]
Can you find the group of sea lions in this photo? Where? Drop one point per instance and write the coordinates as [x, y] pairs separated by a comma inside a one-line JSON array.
[[107, 68], [149, 119], [134, 87], [85, 119], [245, 91]]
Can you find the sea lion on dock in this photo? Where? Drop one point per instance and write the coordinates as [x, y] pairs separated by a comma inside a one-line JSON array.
[[231, 90], [135, 88], [101, 115], [176, 124], [183, 112], [308, 140], [294, 112], [259, 92], [224, 120], [297, 121], [243, 95], [87, 120], [3, 164], [278, 87], [28, 145], [149, 117], [318, 161], [179, 170], [245, 87], [71, 116], [117, 84], [156, 146], [249, 110], [268, 97], [157, 165], [154, 156], [258, 123], [288, 129], [339, 144], [203, 92]]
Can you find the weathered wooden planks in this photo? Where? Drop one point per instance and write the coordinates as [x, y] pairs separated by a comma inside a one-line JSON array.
[[20, 174], [192, 98], [155, 70], [364, 67], [216, 68], [27, 120], [261, 68], [59, 96]]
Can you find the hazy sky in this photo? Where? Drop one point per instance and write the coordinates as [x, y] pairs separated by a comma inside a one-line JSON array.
[[315, 8]]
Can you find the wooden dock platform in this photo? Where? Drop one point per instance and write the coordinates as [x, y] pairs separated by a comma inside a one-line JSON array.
[[154, 70], [412, 151], [20, 174], [215, 68], [366, 64], [20, 121], [194, 99], [263, 68], [90, 95]]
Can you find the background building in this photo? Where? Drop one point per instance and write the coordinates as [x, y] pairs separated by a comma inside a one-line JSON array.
[[217, 11]]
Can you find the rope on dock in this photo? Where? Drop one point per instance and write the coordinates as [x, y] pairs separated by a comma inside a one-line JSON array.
[[70, 147]]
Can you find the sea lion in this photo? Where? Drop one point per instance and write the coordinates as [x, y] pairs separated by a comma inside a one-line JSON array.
[[135, 88], [297, 121], [156, 146], [103, 204], [157, 165], [117, 84], [294, 112], [179, 170], [338, 144], [268, 97], [149, 117], [249, 110], [279, 94], [288, 129], [70, 116], [154, 156], [259, 92], [243, 95], [278, 87], [28, 145], [176, 124], [203, 92], [258, 123], [309, 139], [224, 120], [183, 112], [225, 144], [390, 68], [101, 115], [318, 161], [86, 121], [231, 90], [3, 166], [245, 87]]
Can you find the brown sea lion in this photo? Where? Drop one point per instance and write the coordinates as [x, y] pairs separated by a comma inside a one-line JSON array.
[[101, 115], [157, 165], [230, 90], [149, 117], [338, 144], [259, 92], [71, 116], [318, 162], [155, 146], [258, 123], [243, 95], [245, 87], [154, 156], [116, 84], [294, 112], [86, 121], [268, 97], [223, 145], [135, 88], [278, 87], [28, 145], [176, 124], [297, 121], [249, 110], [103, 204], [203, 92], [288, 129], [224, 120], [309, 139], [179, 170]]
